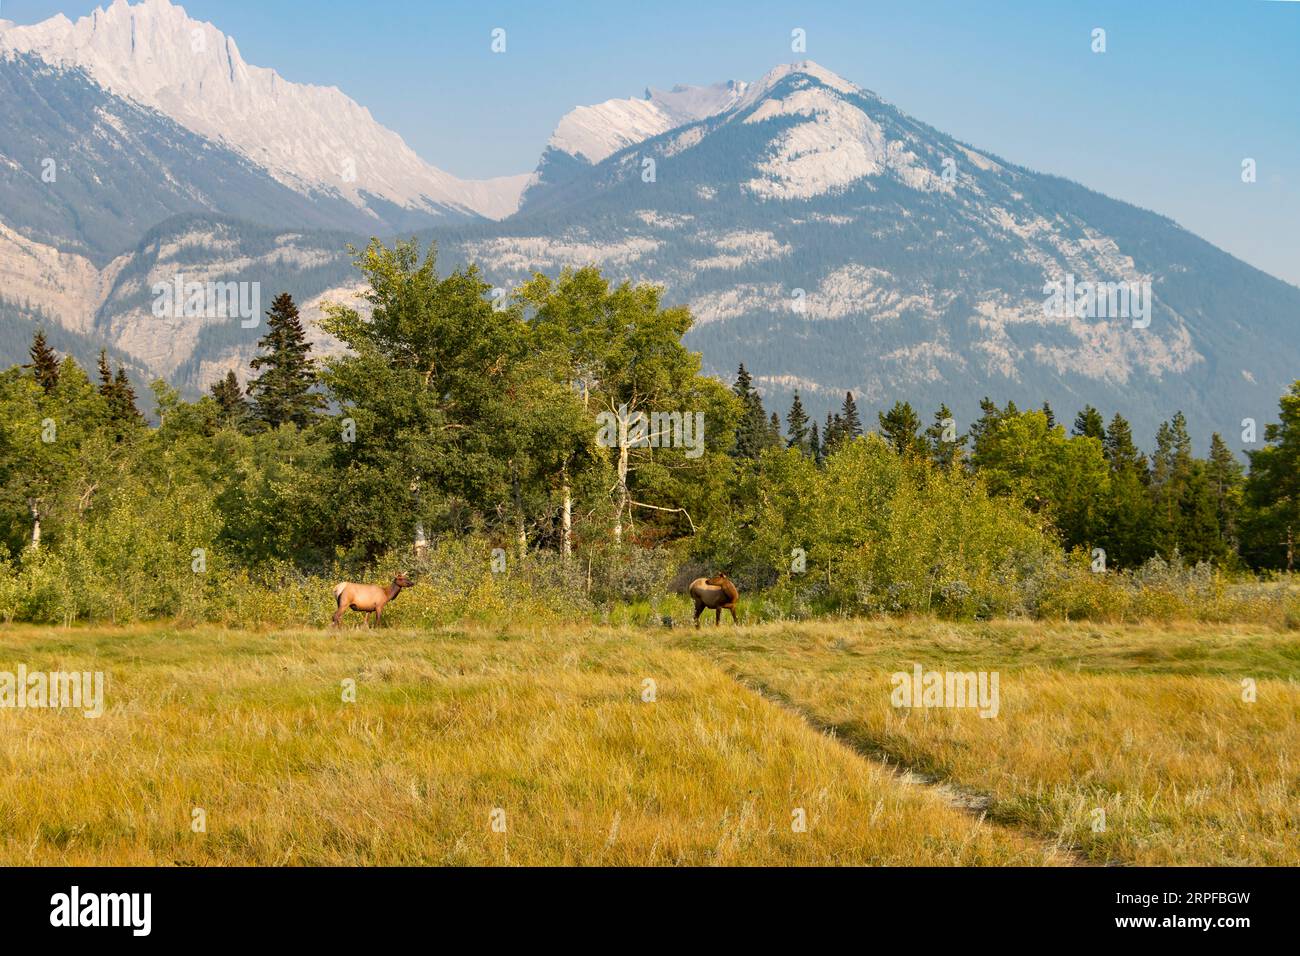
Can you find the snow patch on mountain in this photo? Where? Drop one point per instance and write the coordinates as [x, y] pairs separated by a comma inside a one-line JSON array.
[[596, 132], [836, 144]]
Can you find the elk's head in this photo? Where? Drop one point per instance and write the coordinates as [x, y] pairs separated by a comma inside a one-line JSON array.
[[402, 581], [717, 579]]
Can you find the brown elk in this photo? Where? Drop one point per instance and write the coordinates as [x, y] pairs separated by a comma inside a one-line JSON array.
[[716, 593], [367, 598]]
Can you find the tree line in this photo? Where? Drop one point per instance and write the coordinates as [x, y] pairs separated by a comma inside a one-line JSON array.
[[452, 413]]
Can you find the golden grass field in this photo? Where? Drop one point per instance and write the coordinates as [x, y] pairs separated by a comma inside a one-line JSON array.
[[546, 733]]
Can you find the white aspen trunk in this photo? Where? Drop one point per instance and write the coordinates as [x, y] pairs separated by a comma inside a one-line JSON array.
[[521, 535], [623, 496], [36, 526], [566, 516]]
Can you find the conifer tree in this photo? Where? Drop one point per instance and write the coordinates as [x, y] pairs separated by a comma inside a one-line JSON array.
[[45, 363], [899, 427], [774, 431], [1271, 518], [945, 451], [796, 421], [831, 435], [850, 424], [282, 393], [751, 429], [815, 440], [229, 396], [1089, 423], [118, 394]]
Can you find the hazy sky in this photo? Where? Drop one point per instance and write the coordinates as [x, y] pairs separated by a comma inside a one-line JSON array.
[[1185, 91]]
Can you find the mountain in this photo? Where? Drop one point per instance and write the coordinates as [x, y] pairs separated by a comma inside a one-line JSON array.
[[831, 242], [313, 139], [820, 235]]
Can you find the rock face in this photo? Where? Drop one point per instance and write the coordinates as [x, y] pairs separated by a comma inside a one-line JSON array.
[[820, 235]]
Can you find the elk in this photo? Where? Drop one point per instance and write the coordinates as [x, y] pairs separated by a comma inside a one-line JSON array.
[[367, 598], [717, 593]]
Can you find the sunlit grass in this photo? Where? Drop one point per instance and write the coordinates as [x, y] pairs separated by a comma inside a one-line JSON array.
[[547, 725], [1145, 723]]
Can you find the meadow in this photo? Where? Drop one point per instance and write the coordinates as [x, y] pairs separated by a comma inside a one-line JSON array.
[[768, 744]]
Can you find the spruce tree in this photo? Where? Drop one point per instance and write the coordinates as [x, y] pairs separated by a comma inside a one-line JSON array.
[[1089, 423], [282, 393], [774, 431], [850, 424], [751, 429], [1121, 452], [229, 397], [899, 427], [1271, 518], [797, 427], [815, 440], [831, 435], [1225, 476], [45, 363], [945, 452], [990, 415], [1050, 415], [118, 394], [124, 398]]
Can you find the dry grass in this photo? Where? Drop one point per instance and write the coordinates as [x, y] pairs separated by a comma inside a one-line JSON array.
[[1146, 723], [546, 724]]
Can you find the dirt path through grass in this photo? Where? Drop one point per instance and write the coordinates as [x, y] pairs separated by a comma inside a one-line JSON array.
[[966, 800], [1153, 745]]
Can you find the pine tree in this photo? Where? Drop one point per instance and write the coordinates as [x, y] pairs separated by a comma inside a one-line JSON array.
[[945, 452], [1051, 415], [1121, 452], [984, 427], [774, 432], [229, 396], [45, 363], [1226, 480], [899, 427], [850, 424], [124, 397], [815, 441], [283, 393], [1171, 475], [105, 375], [831, 435], [1271, 517], [797, 427], [118, 394], [1090, 424], [752, 429]]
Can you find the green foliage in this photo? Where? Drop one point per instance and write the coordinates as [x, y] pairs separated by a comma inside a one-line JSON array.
[[283, 391], [477, 421]]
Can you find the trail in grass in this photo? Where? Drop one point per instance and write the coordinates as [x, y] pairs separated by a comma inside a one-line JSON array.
[[964, 799]]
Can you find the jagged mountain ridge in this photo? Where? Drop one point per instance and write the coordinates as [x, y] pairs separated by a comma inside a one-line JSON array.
[[313, 139]]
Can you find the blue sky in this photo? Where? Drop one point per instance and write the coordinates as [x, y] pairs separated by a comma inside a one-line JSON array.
[[1185, 91]]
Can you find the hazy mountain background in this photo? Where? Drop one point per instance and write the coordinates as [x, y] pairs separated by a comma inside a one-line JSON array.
[[808, 223]]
